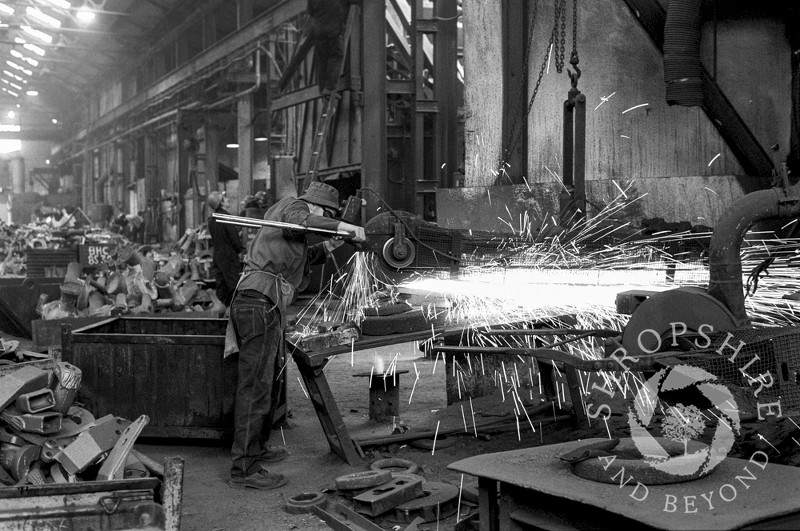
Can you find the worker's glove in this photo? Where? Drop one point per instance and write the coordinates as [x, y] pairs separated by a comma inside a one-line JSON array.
[[355, 230]]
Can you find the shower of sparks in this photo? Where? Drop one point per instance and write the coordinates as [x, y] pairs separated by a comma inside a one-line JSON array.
[[625, 136], [604, 99], [282, 437], [415, 383], [464, 418], [435, 435], [715, 158], [766, 441], [472, 412], [605, 419], [548, 268], [301, 386], [635, 107], [460, 488]]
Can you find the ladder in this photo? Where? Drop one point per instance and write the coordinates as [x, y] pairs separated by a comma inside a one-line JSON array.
[[329, 108]]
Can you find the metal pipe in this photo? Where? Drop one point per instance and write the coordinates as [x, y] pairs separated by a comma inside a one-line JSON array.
[[725, 262], [255, 222]]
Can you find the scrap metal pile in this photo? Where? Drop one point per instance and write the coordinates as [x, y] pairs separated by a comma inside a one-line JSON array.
[[133, 283], [46, 438]]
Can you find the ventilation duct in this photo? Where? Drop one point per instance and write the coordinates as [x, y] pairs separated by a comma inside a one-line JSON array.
[[682, 67]]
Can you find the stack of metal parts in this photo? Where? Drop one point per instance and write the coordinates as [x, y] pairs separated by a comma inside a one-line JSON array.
[[380, 494], [46, 438]]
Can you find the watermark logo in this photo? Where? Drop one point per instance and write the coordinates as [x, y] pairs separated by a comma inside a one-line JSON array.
[[683, 423], [690, 404]]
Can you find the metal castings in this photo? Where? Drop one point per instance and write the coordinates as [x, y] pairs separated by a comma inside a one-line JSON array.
[[408, 467], [363, 480], [382, 498], [440, 501], [303, 502]]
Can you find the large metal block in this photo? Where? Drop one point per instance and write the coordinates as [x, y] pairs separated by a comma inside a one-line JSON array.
[[389, 495], [24, 380], [91, 444]]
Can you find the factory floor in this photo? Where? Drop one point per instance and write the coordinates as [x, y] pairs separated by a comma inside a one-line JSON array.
[[209, 504]]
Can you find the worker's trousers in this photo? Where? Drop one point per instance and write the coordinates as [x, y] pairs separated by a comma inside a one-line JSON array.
[[259, 334]]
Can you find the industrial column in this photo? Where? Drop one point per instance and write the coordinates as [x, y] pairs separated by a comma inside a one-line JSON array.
[[373, 125]]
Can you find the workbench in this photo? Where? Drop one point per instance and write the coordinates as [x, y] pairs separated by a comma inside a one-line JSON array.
[[532, 487], [311, 366]]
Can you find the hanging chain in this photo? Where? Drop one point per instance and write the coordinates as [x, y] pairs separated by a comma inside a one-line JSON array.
[[560, 43], [573, 60]]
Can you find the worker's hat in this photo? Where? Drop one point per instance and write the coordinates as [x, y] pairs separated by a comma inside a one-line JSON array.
[[322, 194], [215, 199]]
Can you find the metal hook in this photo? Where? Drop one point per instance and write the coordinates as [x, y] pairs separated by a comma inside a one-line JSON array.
[[573, 60], [574, 76]]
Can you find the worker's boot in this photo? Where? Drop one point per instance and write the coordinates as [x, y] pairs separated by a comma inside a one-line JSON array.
[[260, 480]]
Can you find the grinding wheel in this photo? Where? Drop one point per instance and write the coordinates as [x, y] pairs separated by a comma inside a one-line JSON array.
[[691, 306], [398, 255]]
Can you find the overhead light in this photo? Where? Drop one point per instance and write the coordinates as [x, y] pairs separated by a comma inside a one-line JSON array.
[[32, 93], [18, 55], [8, 10], [9, 128], [22, 69], [11, 74], [260, 137], [44, 18], [85, 15], [63, 4], [12, 85], [47, 161], [232, 145], [54, 121], [11, 114], [7, 91], [28, 46], [42, 36]]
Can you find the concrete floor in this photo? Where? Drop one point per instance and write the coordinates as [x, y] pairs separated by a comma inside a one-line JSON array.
[[209, 504]]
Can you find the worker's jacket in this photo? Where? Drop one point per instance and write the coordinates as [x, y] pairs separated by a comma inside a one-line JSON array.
[[278, 260], [226, 245]]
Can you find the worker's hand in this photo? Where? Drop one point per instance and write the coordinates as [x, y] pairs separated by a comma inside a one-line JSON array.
[[355, 230]]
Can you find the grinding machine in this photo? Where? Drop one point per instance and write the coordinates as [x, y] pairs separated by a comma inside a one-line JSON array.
[[689, 325]]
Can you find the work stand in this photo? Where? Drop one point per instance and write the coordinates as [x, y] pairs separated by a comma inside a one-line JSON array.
[[319, 392], [311, 366]]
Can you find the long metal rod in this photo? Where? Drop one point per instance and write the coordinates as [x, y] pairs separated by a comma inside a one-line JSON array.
[[255, 222]]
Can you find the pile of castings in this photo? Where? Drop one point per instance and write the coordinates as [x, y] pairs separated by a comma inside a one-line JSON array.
[[134, 284], [46, 438], [391, 493]]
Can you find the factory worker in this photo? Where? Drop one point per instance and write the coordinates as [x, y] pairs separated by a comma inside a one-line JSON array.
[[277, 262], [227, 246]]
